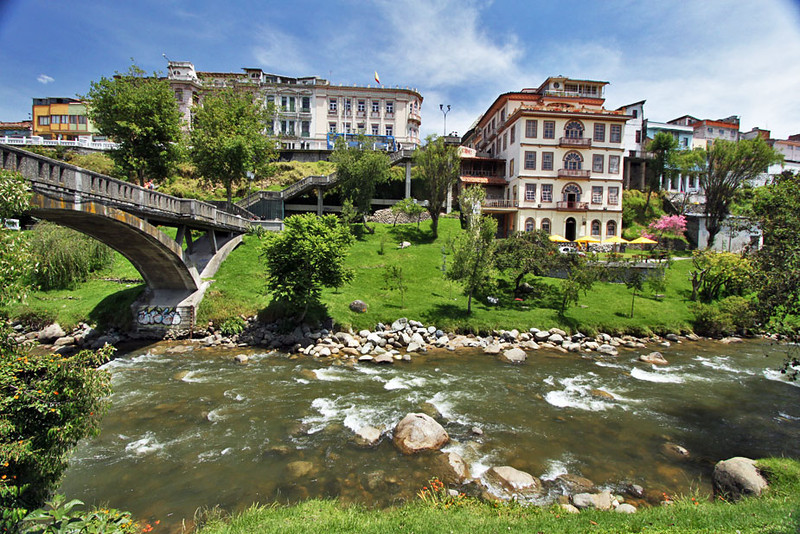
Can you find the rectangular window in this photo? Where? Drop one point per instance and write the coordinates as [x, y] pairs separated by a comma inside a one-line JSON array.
[[306, 129], [362, 105], [376, 106], [73, 119], [638, 136], [547, 161], [332, 127], [530, 128], [513, 133], [290, 128], [389, 129], [599, 132], [306, 104], [597, 163], [360, 127], [375, 129], [55, 119], [44, 120], [530, 192], [530, 160], [547, 192], [613, 195], [347, 127], [390, 107], [347, 107], [511, 168], [613, 164], [549, 130], [597, 194], [505, 141], [82, 119], [332, 106], [616, 134], [179, 95]]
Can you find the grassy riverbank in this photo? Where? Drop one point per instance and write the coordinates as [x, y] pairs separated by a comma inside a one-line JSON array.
[[777, 511], [239, 289]]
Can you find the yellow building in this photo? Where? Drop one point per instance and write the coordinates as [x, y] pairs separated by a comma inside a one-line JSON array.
[[61, 118]]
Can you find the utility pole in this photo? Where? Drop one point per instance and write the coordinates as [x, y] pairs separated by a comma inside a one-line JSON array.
[[444, 112]]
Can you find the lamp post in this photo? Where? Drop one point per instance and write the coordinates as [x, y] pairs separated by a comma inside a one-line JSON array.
[[444, 112]]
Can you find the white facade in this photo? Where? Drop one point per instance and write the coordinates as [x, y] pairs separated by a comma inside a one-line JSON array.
[[307, 109]]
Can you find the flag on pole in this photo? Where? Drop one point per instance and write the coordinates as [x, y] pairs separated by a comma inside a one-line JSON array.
[[377, 80]]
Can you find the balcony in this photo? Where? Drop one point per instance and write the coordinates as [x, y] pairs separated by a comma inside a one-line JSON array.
[[567, 205], [499, 204], [414, 117], [481, 173], [579, 142], [574, 173]]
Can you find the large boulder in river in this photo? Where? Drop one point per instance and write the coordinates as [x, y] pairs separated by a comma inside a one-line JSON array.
[[655, 358], [418, 432], [50, 333], [513, 480], [367, 436], [515, 355], [453, 468], [738, 477]]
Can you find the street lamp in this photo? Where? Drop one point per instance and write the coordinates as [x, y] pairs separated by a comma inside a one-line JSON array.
[[444, 112]]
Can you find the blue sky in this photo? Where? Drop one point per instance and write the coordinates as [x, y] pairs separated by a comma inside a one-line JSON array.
[[709, 58]]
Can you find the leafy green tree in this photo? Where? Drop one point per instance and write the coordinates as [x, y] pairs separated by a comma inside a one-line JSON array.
[[228, 139], [65, 257], [139, 113], [395, 279], [305, 257], [359, 170], [526, 253], [408, 206], [16, 265], [719, 274], [438, 164], [581, 278], [663, 147], [727, 167], [473, 256], [776, 208]]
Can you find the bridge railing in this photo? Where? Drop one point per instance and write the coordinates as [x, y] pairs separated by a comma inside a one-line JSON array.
[[55, 178], [37, 140]]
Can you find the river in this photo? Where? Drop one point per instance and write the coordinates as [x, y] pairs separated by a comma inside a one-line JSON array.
[[191, 428]]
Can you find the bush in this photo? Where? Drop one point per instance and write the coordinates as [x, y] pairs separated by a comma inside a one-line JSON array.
[[728, 316], [65, 257], [233, 326], [47, 404]]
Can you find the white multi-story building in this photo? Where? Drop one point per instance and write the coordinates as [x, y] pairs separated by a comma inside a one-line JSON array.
[[563, 154], [310, 109]]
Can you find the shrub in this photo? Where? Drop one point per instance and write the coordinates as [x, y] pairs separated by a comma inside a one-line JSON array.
[[61, 516], [65, 257], [47, 404], [728, 316], [233, 326]]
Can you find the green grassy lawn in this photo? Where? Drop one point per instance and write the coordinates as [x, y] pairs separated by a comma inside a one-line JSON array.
[[775, 512]]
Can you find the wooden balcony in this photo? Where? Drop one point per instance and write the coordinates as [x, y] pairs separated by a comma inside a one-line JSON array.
[[499, 204], [574, 173], [579, 142], [566, 205]]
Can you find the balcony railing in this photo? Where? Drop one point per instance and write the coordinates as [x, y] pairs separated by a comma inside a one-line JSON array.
[[567, 205], [583, 142], [414, 116], [574, 173], [481, 173], [499, 203]]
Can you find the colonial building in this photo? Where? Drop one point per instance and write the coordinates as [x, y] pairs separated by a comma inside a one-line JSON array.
[[310, 111], [61, 118], [563, 154], [705, 131]]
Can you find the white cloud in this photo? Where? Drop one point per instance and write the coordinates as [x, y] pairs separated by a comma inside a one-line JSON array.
[[282, 53], [45, 79]]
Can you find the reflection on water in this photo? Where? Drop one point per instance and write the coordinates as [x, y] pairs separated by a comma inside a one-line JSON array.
[[197, 430]]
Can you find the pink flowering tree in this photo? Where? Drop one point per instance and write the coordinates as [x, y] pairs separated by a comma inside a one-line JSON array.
[[668, 227]]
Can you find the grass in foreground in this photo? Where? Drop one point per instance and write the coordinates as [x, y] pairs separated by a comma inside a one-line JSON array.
[[778, 511]]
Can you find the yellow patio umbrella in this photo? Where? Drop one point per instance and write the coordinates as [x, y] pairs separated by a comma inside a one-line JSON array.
[[616, 240], [642, 241], [559, 239], [586, 240]]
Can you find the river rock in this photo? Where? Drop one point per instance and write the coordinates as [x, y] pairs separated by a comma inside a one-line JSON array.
[[492, 348], [513, 479], [730, 339], [597, 501], [514, 355], [50, 333], [358, 306], [324, 352], [241, 358], [64, 341], [605, 348], [675, 451], [413, 347], [570, 509], [738, 477], [386, 357], [367, 436], [625, 508], [399, 324], [418, 432], [673, 337], [453, 467], [558, 339], [575, 483], [655, 358], [529, 345], [299, 469], [541, 335]]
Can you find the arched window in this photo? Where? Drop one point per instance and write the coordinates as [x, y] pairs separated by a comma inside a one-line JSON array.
[[530, 225], [573, 161], [546, 225], [573, 130], [571, 193], [611, 228], [595, 228]]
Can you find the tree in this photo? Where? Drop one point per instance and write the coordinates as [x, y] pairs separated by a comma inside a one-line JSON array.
[[139, 113], [582, 276], [358, 171], [719, 274], [728, 166], [438, 164], [526, 253], [473, 261], [305, 257], [408, 206], [663, 147], [776, 208], [228, 138]]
